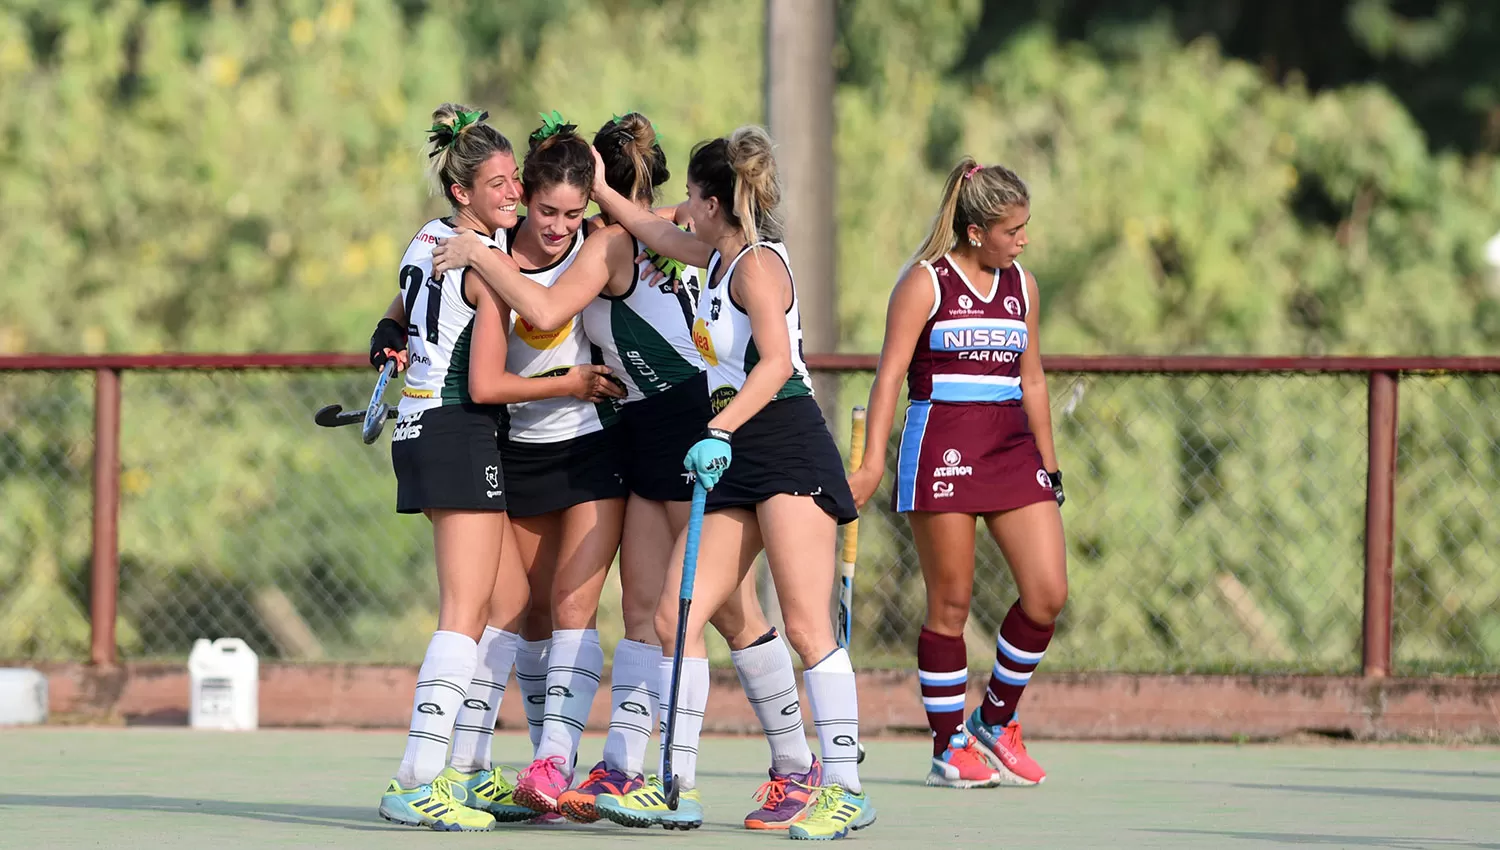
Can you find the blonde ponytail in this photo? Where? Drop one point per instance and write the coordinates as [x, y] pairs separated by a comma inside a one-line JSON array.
[[757, 187], [974, 194]]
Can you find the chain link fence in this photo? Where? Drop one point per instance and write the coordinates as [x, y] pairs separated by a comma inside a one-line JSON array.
[[1215, 523]]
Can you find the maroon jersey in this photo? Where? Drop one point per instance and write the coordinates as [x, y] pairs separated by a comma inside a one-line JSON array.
[[970, 349]]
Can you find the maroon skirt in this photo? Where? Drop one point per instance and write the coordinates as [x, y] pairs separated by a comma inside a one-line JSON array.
[[969, 458]]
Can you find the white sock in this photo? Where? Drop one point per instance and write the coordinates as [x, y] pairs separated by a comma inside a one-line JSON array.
[[771, 686], [692, 701], [442, 684], [634, 678], [475, 726], [835, 710], [574, 667], [531, 678]]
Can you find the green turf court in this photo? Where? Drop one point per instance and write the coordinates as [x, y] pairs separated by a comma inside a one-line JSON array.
[[170, 788]]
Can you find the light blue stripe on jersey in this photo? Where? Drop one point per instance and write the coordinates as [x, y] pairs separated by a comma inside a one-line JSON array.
[[977, 335], [910, 453], [990, 388]]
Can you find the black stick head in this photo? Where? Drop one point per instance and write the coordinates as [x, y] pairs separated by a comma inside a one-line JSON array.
[[328, 415], [674, 792]]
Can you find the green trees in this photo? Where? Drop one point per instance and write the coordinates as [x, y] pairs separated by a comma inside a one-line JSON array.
[[237, 177]]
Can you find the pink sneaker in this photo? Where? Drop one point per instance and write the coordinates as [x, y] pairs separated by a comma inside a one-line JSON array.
[[962, 765], [1006, 750], [541, 783]]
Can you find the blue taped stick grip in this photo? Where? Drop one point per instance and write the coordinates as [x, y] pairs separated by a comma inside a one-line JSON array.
[[690, 554]]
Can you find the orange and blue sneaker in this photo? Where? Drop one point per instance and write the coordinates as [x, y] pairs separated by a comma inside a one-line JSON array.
[[962, 765], [1006, 750], [577, 804], [783, 799], [834, 812], [542, 782]]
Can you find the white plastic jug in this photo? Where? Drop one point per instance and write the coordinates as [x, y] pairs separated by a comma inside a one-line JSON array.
[[225, 677], [23, 697]]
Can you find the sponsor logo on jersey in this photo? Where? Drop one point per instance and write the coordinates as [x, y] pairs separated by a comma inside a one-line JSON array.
[[704, 341], [1012, 305], [953, 466], [408, 392], [1042, 479], [942, 489], [424, 236], [978, 335], [539, 339], [965, 302], [721, 397], [407, 428]]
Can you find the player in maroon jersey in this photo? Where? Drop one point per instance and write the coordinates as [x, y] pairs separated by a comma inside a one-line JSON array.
[[962, 329]]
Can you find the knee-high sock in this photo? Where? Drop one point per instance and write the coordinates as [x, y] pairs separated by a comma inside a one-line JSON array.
[[634, 679], [1018, 651], [531, 678], [574, 667], [475, 726], [765, 671], [442, 684], [835, 710]]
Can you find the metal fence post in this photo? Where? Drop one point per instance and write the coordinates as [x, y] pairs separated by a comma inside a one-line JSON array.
[[104, 576], [1380, 515]]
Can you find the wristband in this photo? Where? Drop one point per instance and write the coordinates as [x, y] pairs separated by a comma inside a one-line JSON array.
[[713, 433]]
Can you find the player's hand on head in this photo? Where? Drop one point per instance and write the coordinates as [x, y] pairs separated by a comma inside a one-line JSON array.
[[456, 252], [600, 184], [863, 483]]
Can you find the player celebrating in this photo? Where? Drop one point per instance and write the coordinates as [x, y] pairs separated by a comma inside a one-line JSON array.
[[446, 459], [785, 490], [563, 463], [977, 443], [637, 307]]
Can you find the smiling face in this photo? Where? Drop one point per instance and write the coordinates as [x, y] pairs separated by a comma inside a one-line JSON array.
[[1004, 240], [492, 200], [556, 213]]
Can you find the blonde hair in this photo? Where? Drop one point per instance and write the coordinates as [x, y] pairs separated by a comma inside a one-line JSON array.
[[740, 170], [634, 164], [974, 194], [458, 153]]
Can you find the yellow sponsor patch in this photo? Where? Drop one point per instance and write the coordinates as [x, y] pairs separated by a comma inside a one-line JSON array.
[[540, 339], [704, 341], [408, 392]]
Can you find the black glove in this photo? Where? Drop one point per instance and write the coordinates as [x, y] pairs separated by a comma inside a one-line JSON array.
[[388, 334], [1055, 478]]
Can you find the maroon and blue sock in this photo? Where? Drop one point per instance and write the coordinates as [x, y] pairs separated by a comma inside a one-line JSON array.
[[1018, 651], [943, 672]]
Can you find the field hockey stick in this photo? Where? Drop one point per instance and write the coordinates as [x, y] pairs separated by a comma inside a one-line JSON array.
[[335, 416], [851, 542], [684, 604], [375, 413]]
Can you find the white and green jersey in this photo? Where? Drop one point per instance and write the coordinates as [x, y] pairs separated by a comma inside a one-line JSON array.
[[536, 353], [440, 324], [646, 334], [721, 332]]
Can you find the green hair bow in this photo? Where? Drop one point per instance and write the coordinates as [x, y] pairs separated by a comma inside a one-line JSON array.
[[551, 125], [444, 135]]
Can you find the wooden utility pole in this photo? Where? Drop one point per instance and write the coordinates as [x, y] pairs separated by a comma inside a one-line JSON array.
[[799, 112]]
